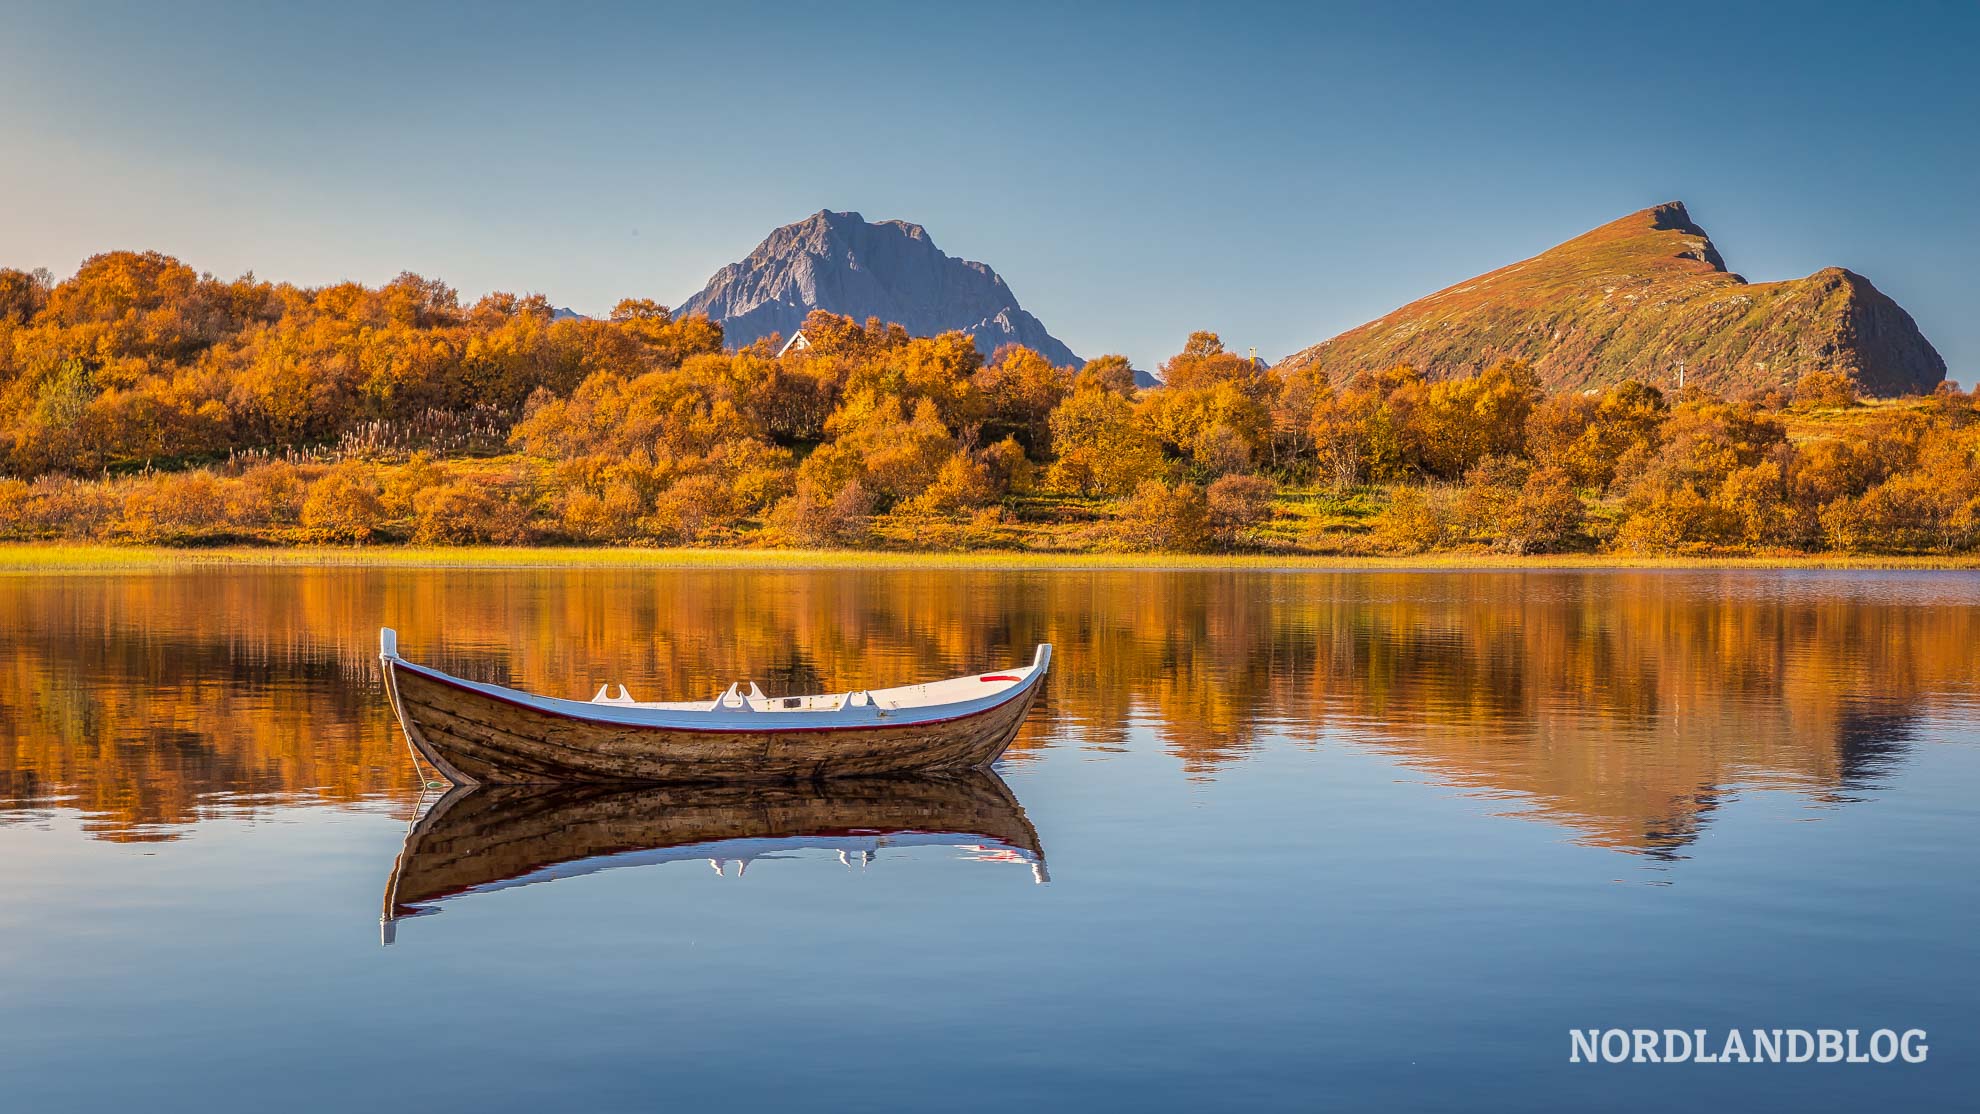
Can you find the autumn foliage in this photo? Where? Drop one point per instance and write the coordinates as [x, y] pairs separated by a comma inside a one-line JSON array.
[[143, 402]]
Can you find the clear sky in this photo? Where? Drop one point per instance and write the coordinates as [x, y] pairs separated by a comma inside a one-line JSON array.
[[1277, 174]]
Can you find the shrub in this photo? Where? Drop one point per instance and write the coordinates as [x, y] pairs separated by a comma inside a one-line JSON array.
[[172, 507], [1824, 390], [758, 474], [690, 509], [17, 510], [1011, 471], [1952, 407], [899, 454], [610, 515], [1518, 509], [1159, 518], [962, 485], [343, 504], [1905, 514], [467, 511], [1546, 516], [1671, 519], [1417, 520], [57, 507], [1238, 503], [402, 488], [988, 528], [268, 494], [1598, 437], [1756, 499], [760, 486], [811, 517]]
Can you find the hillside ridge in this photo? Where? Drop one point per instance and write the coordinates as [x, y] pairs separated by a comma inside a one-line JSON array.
[[1646, 297]]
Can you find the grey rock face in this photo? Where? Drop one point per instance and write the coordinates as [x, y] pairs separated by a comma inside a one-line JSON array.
[[890, 270]]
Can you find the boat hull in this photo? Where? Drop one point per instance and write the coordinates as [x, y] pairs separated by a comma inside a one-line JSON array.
[[478, 837], [475, 738]]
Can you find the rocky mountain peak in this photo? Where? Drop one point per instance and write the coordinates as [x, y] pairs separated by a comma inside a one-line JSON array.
[[840, 261], [1672, 216]]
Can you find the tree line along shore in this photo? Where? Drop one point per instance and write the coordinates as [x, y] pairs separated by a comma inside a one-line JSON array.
[[144, 404]]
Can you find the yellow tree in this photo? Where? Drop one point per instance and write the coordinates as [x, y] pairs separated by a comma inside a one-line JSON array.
[[1101, 448], [1022, 388], [1463, 421], [1214, 409]]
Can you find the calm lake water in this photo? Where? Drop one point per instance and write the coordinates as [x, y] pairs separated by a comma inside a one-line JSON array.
[[1269, 841]]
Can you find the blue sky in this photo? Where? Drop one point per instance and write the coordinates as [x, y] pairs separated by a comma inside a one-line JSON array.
[[1275, 173]]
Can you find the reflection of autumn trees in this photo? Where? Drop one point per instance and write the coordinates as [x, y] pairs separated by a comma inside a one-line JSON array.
[[156, 701], [1621, 705]]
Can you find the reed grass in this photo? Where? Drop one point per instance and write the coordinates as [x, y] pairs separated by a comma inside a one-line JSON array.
[[28, 557]]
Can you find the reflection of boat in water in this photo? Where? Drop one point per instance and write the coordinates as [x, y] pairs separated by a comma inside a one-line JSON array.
[[477, 839], [475, 732]]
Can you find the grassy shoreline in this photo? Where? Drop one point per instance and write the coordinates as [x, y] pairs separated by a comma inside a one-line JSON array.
[[30, 557]]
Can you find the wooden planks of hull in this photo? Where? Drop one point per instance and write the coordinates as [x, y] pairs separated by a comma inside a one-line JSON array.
[[472, 737]]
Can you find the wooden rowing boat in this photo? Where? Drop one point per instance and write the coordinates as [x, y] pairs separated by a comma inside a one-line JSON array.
[[478, 733], [480, 839]]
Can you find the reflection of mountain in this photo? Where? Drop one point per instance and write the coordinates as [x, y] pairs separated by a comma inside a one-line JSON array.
[[1626, 708], [1650, 786], [476, 840], [1621, 705]]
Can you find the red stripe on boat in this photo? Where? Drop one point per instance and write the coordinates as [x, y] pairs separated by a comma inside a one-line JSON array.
[[1000, 677]]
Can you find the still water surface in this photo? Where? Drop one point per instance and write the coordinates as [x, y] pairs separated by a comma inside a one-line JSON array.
[[1269, 841]]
